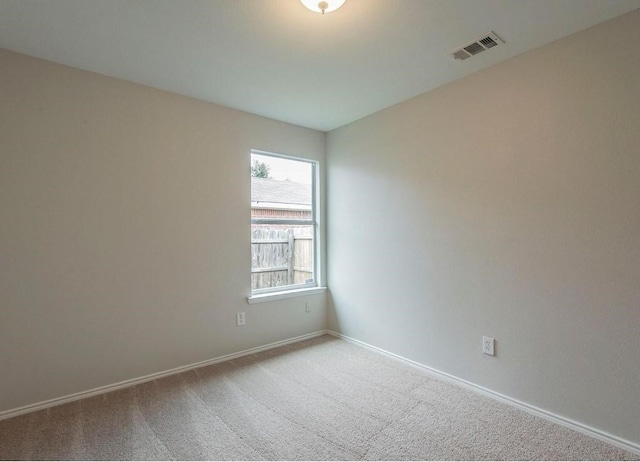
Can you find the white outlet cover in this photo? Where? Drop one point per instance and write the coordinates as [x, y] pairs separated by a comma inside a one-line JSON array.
[[488, 346]]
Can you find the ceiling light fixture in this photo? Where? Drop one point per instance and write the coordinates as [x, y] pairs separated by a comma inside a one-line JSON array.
[[324, 6]]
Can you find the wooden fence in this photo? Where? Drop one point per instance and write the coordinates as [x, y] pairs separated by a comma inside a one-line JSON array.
[[281, 255]]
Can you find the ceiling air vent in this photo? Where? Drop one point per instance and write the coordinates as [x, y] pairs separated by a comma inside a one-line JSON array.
[[485, 42]]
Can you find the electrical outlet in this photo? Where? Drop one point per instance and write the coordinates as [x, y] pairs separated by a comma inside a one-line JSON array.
[[307, 307], [240, 319], [488, 346]]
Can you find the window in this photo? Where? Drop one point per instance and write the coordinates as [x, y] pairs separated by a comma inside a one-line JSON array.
[[283, 223]]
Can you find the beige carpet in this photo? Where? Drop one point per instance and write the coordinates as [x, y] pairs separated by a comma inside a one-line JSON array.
[[320, 399]]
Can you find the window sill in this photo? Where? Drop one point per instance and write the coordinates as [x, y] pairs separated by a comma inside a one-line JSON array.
[[272, 296]]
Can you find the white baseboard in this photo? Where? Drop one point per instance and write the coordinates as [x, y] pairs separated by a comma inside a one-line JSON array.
[[577, 426], [147, 378], [585, 429]]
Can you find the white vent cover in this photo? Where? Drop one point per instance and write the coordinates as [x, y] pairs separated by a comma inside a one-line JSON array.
[[485, 42]]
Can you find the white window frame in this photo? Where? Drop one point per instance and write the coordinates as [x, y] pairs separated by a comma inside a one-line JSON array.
[[294, 290]]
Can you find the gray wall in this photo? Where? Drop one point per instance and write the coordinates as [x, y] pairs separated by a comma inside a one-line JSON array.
[[506, 204], [124, 231]]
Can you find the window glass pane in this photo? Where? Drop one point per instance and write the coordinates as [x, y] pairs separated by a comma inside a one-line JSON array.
[[283, 223], [282, 169], [281, 255]]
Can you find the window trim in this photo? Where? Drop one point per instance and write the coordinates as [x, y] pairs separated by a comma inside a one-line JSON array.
[[294, 290], [281, 295]]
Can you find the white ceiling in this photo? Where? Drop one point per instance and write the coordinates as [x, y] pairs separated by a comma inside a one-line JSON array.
[[277, 59]]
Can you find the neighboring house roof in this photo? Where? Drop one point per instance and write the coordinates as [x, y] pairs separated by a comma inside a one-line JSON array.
[[269, 191]]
